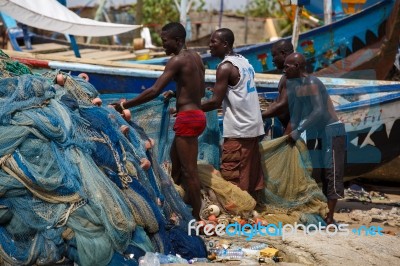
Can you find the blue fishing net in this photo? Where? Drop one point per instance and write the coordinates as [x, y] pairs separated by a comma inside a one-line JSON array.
[[153, 120], [71, 183]]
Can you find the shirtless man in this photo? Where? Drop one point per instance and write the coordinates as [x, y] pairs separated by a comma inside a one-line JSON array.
[[187, 69], [279, 108], [312, 111], [235, 90]]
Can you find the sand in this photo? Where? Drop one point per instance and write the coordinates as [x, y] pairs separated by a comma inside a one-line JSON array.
[[341, 248]]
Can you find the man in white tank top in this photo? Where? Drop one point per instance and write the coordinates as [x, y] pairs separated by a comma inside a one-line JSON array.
[[235, 90]]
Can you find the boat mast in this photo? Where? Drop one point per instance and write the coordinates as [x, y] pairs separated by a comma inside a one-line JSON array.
[[327, 12], [221, 12], [71, 38], [97, 16], [296, 24], [183, 9]]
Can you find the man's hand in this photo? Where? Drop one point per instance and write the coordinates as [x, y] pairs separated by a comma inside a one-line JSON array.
[[293, 136], [264, 114], [168, 95], [119, 106], [172, 111]]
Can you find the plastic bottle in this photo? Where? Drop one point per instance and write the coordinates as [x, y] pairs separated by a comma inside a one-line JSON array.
[[166, 259], [230, 254], [194, 260], [259, 246], [149, 259]]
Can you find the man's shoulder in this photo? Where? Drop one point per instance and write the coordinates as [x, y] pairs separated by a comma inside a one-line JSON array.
[[225, 65], [183, 58], [174, 60], [282, 80], [313, 79], [234, 58]]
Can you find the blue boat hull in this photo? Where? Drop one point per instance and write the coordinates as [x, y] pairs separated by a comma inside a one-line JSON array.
[[370, 109], [324, 45]]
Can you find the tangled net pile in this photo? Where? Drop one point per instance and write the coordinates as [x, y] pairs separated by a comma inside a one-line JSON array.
[[72, 184]]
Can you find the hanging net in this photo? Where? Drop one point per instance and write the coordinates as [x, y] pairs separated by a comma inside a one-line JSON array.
[[291, 194]]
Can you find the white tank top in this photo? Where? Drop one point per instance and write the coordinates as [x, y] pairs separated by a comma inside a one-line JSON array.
[[241, 107]]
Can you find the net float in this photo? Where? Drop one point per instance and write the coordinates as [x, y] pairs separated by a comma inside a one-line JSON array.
[[214, 209], [126, 114], [124, 129], [97, 101], [84, 76], [60, 79], [148, 144], [145, 164]]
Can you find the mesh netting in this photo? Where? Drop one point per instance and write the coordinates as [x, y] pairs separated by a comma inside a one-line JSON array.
[[291, 194], [72, 186], [71, 182], [9, 68], [155, 120], [229, 196]]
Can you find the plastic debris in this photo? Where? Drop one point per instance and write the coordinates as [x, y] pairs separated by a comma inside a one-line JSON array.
[[269, 252], [155, 259]]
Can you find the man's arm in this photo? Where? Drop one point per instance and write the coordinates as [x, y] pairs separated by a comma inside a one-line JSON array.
[[280, 106], [170, 70], [220, 88]]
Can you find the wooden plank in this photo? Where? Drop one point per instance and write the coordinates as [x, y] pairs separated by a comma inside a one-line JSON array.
[[130, 56], [46, 48], [96, 53], [157, 54], [51, 57], [72, 53], [104, 54]]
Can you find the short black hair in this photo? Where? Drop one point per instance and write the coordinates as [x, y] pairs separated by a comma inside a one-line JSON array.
[[284, 45], [227, 36], [176, 29]]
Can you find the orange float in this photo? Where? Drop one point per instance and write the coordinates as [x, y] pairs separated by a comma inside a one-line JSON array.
[[84, 76], [60, 79], [124, 129], [97, 101], [145, 164], [126, 114], [148, 144]]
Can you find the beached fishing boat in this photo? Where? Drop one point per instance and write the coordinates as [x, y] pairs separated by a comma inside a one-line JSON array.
[[54, 17], [369, 108], [121, 77], [362, 45], [372, 122]]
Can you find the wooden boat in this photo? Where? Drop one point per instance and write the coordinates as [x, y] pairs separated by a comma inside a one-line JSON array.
[[370, 37], [62, 48], [362, 45], [121, 77], [370, 109], [21, 39], [372, 122]]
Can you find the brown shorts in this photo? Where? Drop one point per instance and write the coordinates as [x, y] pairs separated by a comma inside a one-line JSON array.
[[241, 163]]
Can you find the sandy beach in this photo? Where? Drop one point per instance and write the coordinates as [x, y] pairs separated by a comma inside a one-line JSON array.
[[381, 211]]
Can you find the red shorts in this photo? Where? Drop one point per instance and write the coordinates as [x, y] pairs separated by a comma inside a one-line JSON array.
[[190, 123]]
